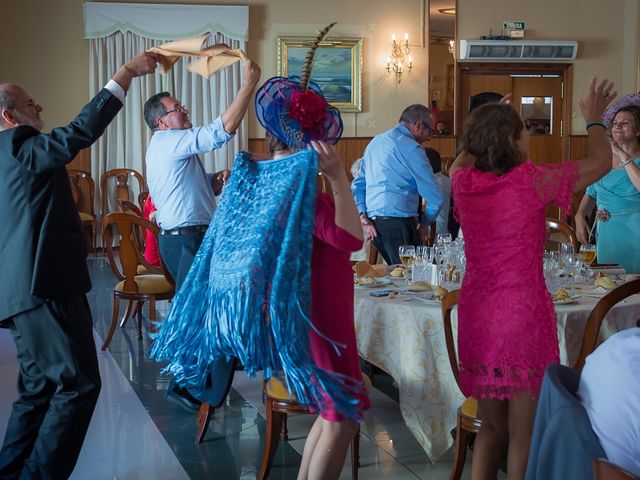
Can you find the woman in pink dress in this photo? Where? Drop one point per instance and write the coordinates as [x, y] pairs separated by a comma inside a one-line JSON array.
[[507, 325]]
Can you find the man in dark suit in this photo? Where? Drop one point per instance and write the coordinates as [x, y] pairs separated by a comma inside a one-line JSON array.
[[45, 278]]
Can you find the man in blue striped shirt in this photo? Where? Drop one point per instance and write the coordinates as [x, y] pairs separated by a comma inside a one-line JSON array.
[[394, 173]]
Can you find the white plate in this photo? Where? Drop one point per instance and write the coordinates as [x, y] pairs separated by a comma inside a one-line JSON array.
[[573, 299], [380, 281], [429, 300]]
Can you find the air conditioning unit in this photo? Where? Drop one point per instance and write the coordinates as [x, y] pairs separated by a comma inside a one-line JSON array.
[[517, 50]]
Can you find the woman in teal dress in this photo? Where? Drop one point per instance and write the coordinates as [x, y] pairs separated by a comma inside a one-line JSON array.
[[617, 195]]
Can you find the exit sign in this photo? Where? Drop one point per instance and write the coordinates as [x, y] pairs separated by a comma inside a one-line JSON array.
[[513, 25], [513, 29]]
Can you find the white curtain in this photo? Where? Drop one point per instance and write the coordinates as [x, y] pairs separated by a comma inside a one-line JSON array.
[[114, 38]]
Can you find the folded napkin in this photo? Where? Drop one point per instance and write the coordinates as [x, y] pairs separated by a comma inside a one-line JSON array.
[[365, 269], [211, 60], [604, 281], [609, 270]]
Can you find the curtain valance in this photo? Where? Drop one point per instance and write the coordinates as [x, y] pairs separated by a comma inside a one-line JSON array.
[[165, 21]]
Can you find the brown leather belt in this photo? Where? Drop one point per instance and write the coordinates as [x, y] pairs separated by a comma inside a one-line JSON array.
[[189, 230]]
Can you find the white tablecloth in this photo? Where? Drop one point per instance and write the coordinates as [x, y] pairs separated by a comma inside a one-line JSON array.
[[405, 338]]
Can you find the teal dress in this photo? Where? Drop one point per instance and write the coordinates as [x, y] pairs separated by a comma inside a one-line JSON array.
[[618, 239]]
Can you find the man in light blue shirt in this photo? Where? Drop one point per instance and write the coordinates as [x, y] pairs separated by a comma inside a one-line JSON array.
[[179, 186], [394, 173]]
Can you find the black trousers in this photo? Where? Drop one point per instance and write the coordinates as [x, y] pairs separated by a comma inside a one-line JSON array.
[[58, 386], [178, 252], [393, 232]]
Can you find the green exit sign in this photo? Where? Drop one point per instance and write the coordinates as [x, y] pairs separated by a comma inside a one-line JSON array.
[[513, 25]]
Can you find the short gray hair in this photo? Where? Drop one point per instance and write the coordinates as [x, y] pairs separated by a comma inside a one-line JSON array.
[[415, 113], [154, 108], [7, 98]]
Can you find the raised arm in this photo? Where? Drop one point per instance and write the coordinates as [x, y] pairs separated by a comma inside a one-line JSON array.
[[140, 65], [332, 168], [233, 115], [597, 163]]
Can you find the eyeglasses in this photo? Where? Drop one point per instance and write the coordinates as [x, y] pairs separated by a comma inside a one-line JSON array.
[[428, 128], [177, 108], [30, 103]]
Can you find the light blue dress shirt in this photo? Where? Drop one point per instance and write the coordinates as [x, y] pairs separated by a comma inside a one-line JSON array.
[[178, 183], [394, 171]]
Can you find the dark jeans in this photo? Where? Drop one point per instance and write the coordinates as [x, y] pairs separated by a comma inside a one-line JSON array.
[[58, 387], [178, 252], [393, 232]]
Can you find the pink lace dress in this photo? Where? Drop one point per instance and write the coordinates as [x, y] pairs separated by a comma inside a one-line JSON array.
[[507, 324]]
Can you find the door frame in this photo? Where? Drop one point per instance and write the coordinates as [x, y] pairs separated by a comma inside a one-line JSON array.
[[565, 70]]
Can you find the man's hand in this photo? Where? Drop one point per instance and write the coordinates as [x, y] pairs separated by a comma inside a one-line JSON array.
[[142, 64], [250, 73], [368, 229]]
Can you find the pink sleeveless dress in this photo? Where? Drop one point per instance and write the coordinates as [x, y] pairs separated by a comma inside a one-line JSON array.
[[507, 324]]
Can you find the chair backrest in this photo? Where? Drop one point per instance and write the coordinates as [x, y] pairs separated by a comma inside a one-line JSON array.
[[555, 225], [122, 189], [124, 225], [142, 198], [449, 301], [590, 337], [82, 189], [605, 470], [125, 206]]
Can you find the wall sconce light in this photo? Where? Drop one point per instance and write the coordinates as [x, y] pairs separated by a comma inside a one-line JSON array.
[[400, 60], [452, 47]]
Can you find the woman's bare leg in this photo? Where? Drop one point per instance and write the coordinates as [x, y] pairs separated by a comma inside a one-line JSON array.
[[522, 411], [309, 447], [491, 442], [326, 458]]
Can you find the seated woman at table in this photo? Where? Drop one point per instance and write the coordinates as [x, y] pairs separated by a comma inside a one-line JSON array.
[[617, 194], [507, 325]]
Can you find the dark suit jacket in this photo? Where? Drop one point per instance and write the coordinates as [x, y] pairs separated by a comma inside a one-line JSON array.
[[563, 444], [42, 251]]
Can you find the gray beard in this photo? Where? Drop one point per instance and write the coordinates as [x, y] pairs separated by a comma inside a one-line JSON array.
[[36, 123]]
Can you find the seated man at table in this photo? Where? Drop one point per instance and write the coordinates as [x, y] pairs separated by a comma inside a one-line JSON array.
[[609, 390]]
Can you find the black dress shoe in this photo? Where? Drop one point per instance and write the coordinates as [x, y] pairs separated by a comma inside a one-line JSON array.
[[181, 397]]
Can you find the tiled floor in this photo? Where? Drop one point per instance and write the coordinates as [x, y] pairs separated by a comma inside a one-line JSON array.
[[136, 434]]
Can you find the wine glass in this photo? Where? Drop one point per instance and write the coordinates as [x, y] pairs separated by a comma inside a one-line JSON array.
[[407, 254], [588, 254], [566, 249], [443, 239], [572, 266]]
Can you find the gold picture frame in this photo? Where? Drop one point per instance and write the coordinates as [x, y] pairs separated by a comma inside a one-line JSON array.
[[337, 67]]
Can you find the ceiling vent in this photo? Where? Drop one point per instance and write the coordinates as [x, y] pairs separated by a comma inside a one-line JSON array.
[[518, 50]]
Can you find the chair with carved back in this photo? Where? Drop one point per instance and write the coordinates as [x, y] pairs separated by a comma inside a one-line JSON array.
[[467, 423], [142, 198], [605, 470], [131, 286], [569, 234], [125, 206], [82, 190], [122, 190], [598, 314]]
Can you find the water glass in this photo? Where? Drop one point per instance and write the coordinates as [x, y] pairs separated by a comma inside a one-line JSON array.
[[566, 249], [443, 239], [407, 255], [572, 266]]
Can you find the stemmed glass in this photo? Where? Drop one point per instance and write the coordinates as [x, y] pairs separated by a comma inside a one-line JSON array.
[[572, 267], [407, 254], [566, 249], [588, 254]]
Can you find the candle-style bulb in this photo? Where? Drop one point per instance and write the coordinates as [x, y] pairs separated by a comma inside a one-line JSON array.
[[406, 36], [393, 37]]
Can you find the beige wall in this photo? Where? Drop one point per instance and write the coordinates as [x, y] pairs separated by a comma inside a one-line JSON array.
[[607, 32], [49, 56]]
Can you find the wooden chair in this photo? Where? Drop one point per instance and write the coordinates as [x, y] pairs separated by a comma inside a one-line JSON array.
[[555, 225], [142, 198], [125, 206], [82, 190], [597, 315], [467, 424], [278, 404], [131, 286], [605, 470], [122, 188]]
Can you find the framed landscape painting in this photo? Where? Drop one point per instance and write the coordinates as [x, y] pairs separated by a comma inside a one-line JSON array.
[[337, 67]]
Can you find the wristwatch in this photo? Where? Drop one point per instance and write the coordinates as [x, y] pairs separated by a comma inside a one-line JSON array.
[[626, 161]]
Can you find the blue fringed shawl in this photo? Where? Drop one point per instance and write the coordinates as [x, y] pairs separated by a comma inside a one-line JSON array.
[[256, 256]]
